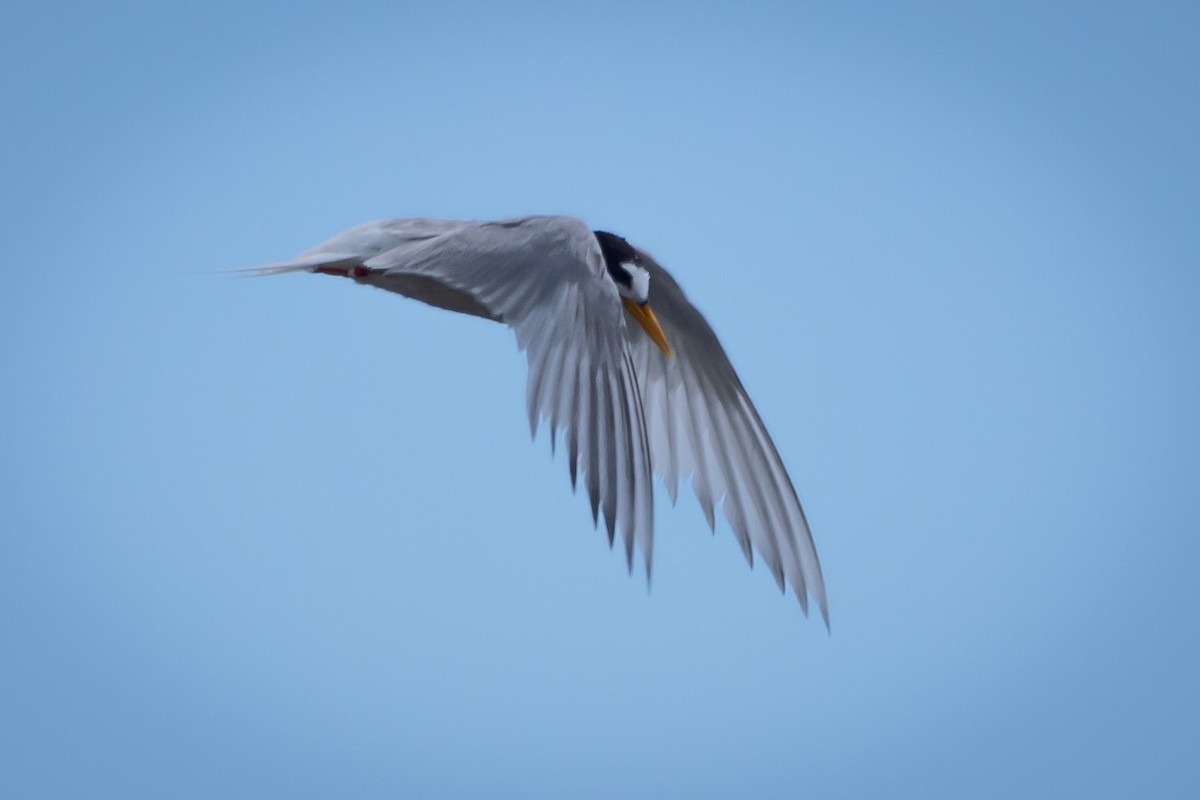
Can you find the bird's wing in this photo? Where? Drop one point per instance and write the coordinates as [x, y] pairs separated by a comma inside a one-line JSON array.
[[701, 423], [355, 246], [545, 277]]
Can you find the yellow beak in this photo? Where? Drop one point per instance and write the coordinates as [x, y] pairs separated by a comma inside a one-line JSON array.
[[649, 323]]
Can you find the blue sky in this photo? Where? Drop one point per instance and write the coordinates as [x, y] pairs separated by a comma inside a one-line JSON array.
[[289, 538]]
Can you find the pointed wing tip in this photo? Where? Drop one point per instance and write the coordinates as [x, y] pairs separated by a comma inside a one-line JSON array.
[[611, 524], [337, 263], [803, 594], [822, 606], [262, 271]]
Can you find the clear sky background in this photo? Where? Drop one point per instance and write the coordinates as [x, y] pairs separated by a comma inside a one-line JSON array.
[[288, 537]]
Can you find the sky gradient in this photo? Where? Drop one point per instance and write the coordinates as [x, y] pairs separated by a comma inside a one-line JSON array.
[[288, 537]]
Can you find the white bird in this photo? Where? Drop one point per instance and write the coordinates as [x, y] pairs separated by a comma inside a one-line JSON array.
[[631, 400]]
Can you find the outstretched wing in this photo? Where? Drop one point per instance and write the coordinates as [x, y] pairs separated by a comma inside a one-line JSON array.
[[624, 406], [545, 277], [701, 423]]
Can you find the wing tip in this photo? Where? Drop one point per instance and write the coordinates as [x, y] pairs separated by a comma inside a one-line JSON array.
[[802, 595]]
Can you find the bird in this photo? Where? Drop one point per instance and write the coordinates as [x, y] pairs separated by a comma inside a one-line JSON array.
[[621, 365]]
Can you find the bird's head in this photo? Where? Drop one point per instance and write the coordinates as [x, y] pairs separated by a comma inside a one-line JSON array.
[[623, 262], [624, 265]]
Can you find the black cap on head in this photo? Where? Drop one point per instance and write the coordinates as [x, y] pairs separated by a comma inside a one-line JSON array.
[[615, 249]]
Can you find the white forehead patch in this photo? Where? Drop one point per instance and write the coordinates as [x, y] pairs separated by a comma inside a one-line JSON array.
[[639, 281]]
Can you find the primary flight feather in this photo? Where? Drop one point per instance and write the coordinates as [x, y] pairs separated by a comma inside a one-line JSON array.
[[620, 363]]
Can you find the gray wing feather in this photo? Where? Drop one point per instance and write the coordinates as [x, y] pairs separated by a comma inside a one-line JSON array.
[[701, 424], [626, 410], [568, 319]]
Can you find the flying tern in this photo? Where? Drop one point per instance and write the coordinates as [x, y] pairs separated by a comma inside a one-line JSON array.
[[621, 364]]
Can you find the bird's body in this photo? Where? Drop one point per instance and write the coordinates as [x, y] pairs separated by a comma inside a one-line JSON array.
[[630, 400]]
